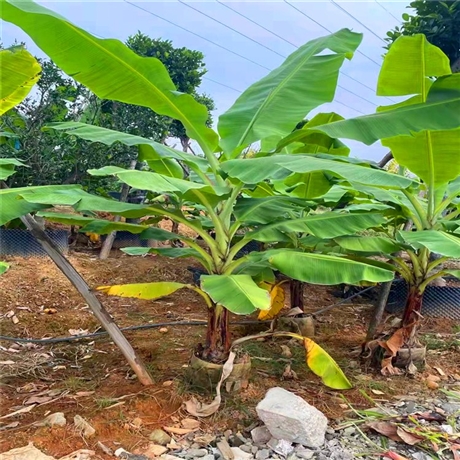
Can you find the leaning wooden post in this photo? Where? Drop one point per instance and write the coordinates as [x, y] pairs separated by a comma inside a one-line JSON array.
[[96, 307], [108, 243]]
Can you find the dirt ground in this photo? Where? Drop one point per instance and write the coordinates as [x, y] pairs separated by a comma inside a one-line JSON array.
[[92, 379]]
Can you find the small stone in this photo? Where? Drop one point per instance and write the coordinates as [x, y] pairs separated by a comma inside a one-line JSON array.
[[246, 448], [447, 429], [263, 454], [239, 454], [194, 453], [281, 446], [306, 454], [170, 457], [235, 441], [349, 431], [450, 407], [163, 330], [56, 419], [260, 435], [81, 424], [289, 417], [208, 457], [190, 423], [254, 450], [160, 437], [204, 440]]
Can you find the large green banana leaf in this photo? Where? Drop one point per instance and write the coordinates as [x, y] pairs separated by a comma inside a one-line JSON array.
[[19, 71], [237, 293], [408, 66], [12, 206], [326, 269], [255, 170], [407, 70], [109, 68], [104, 227], [149, 150], [65, 195], [166, 252], [436, 241], [441, 111], [158, 183], [307, 140], [267, 209], [369, 244], [274, 105], [327, 225], [7, 167]]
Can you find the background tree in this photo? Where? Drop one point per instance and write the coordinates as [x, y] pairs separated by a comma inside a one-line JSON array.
[[439, 22], [56, 159]]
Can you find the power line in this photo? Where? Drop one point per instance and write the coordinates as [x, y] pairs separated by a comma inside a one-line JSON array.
[[237, 54], [328, 30], [285, 40], [197, 35], [266, 47], [388, 11], [230, 28], [223, 84], [341, 8]]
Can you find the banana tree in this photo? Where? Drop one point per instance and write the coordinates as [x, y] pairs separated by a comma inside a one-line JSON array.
[[231, 192], [413, 67]]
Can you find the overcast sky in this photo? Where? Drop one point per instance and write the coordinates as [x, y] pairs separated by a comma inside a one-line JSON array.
[[253, 39]]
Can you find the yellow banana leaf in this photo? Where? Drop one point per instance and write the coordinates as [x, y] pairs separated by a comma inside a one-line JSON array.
[[322, 364], [277, 296], [148, 291]]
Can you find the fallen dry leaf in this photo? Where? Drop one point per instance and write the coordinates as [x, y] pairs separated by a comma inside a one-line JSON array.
[[20, 411], [388, 429], [38, 400], [377, 392], [176, 430], [7, 363], [190, 423], [394, 456], [440, 371], [408, 438]]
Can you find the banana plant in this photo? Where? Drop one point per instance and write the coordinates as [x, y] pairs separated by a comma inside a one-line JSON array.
[[232, 193], [415, 68]]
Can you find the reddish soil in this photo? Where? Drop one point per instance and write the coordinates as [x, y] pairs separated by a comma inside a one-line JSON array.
[[92, 375]]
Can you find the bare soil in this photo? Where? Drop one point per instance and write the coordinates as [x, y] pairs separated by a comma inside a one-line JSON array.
[[95, 382]]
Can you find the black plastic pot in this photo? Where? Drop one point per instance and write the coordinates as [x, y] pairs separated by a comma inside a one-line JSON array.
[[438, 301]]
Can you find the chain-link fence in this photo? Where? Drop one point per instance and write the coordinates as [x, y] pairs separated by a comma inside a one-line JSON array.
[[438, 301], [19, 242]]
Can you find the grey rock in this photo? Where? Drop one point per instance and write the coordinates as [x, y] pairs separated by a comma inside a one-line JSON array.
[[254, 450], [170, 457], [261, 435], [82, 425], [291, 418], [281, 446], [246, 448], [421, 456], [263, 454], [208, 457], [450, 407], [196, 453], [306, 454], [160, 437]]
